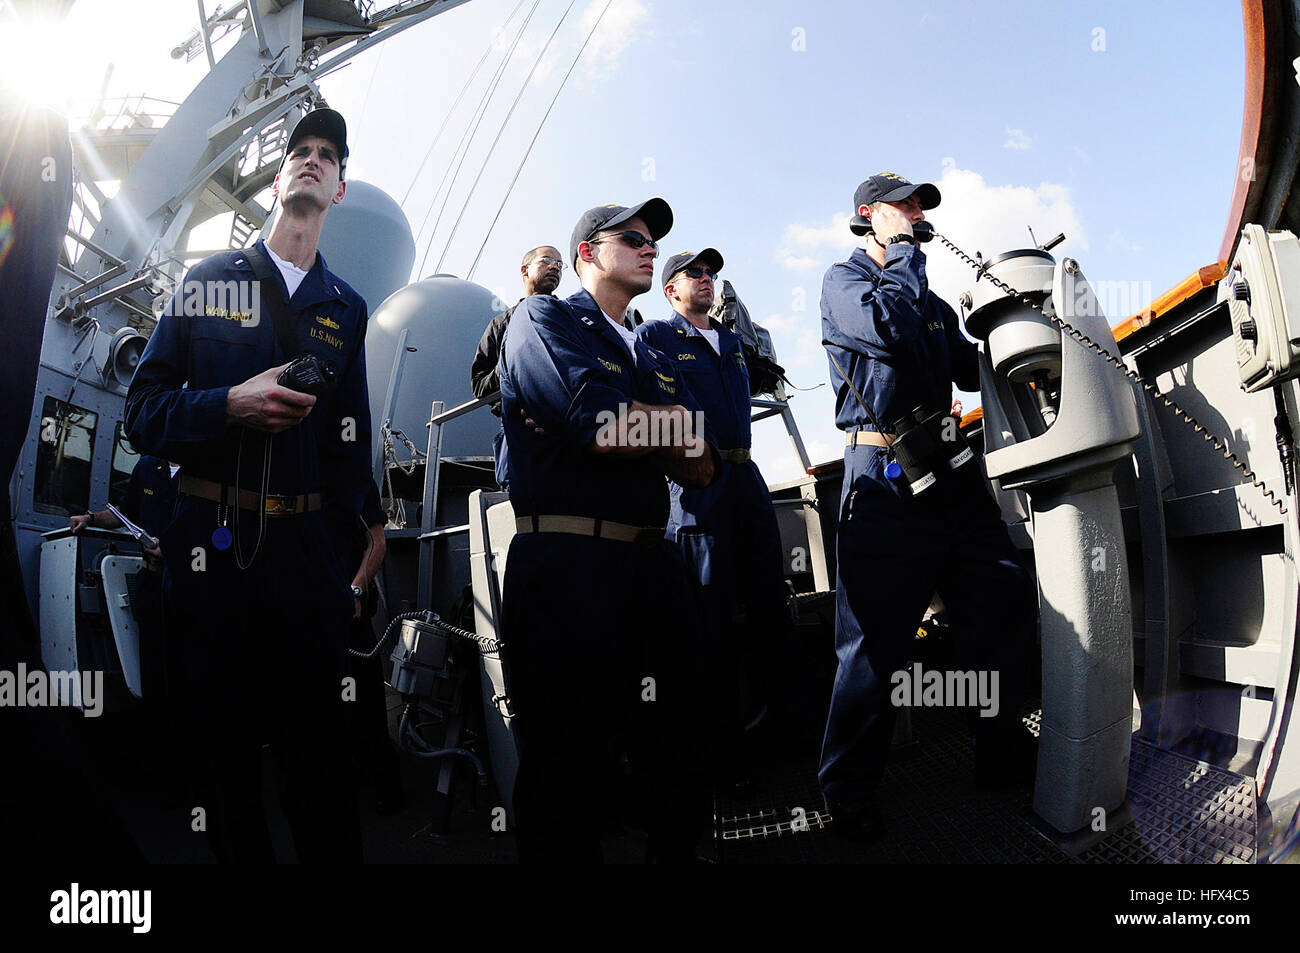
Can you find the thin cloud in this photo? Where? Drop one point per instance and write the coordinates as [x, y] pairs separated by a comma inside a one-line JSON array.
[[992, 219], [626, 21], [797, 338], [800, 239]]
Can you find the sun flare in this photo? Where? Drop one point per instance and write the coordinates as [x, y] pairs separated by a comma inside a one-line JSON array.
[[40, 66]]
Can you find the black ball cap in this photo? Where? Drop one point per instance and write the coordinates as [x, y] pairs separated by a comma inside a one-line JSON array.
[[656, 214], [325, 123], [709, 257], [888, 187]]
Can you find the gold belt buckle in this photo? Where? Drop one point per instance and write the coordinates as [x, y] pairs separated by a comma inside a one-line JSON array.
[[279, 506]]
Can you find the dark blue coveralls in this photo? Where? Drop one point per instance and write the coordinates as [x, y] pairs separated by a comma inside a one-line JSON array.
[[263, 647], [901, 346], [587, 620], [727, 532]]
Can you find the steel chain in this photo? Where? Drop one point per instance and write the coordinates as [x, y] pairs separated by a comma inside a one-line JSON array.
[[1151, 389], [396, 514]]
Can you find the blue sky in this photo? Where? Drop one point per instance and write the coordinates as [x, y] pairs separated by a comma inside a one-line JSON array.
[[1117, 123]]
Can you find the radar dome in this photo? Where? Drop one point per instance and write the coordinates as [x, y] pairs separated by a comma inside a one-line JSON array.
[[444, 318], [366, 241]]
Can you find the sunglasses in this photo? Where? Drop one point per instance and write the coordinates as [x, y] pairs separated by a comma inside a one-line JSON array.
[[631, 239], [695, 271]]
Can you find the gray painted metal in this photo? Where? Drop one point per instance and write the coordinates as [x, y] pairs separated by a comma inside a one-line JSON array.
[[1087, 634], [429, 509], [492, 524], [1262, 291], [117, 606], [445, 317], [1066, 467], [1229, 647], [1159, 661], [58, 611]]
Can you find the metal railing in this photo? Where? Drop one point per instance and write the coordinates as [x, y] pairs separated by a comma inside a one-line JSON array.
[[439, 416]]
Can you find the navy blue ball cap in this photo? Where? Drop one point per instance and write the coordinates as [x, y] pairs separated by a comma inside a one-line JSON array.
[[888, 187], [656, 214], [709, 257], [327, 124]]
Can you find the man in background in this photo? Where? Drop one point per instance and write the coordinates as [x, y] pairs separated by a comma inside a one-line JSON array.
[[541, 269]]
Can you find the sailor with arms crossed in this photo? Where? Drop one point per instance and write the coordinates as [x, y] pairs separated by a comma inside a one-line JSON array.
[[596, 612]]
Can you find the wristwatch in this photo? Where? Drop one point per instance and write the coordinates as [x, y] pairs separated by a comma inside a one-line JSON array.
[[358, 591], [894, 239]]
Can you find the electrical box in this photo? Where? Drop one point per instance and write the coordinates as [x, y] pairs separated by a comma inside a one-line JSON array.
[[419, 658], [1262, 289]]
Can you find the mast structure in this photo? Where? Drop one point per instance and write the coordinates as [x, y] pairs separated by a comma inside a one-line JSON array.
[[180, 165]]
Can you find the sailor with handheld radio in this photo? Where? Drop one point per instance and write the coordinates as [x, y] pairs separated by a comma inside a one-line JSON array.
[[915, 515], [254, 381]]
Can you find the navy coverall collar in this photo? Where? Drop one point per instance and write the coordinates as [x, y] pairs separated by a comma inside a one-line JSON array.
[[319, 284], [865, 261], [587, 308], [726, 337]]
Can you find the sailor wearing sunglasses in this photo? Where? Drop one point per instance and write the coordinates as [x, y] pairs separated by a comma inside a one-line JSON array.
[[596, 608], [726, 532]]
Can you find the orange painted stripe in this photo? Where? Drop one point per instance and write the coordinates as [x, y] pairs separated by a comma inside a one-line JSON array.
[[1193, 283]]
